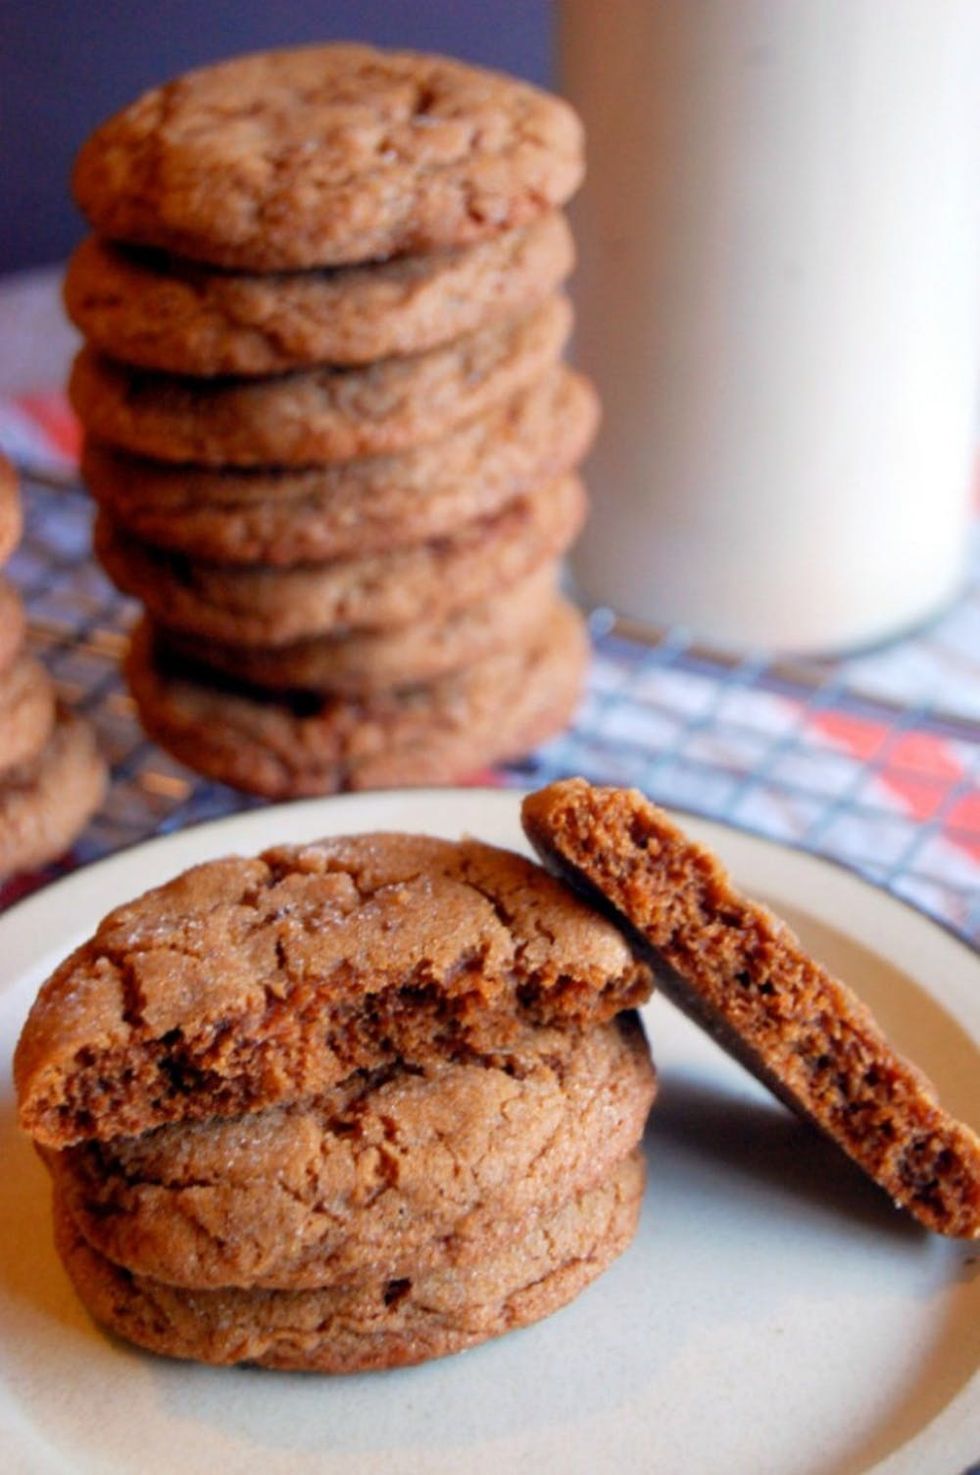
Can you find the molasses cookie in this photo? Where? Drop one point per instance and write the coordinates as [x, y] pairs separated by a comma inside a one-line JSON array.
[[371, 504], [251, 983], [159, 312], [12, 625], [742, 974], [362, 664], [242, 605], [44, 805], [384, 1176], [327, 155], [294, 744], [27, 711], [316, 415], [356, 1326]]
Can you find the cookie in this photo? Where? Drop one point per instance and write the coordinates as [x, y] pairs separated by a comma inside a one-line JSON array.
[[270, 606], [380, 1178], [385, 1322], [27, 709], [316, 415], [46, 804], [743, 975], [288, 746], [11, 517], [327, 155], [12, 626], [368, 505], [360, 665], [158, 312], [246, 983]]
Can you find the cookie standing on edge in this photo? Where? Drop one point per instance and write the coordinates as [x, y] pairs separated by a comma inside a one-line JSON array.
[[322, 156], [741, 974]]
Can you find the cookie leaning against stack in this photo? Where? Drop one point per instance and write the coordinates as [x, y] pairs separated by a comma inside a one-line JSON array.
[[741, 974], [51, 776], [327, 426], [271, 1142]]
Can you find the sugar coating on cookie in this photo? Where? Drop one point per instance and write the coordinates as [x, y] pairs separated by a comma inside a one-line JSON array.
[[377, 1322], [160, 312], [384, 1176], [347, 509], [743, 975], [246, 983], [327, 155]]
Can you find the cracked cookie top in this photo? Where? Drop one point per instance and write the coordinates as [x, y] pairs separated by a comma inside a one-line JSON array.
[[327, 155], [244, 983], [378, 1177]]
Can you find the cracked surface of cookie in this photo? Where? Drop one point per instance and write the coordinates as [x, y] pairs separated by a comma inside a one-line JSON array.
[[386, 1175], [321, 414], [160, 312], [326, 155], [351, 508], [246, 983], [276, 606], [311, 743], [743, 975], [361, 665], [45, 804], [374, 1323], [27, 711]]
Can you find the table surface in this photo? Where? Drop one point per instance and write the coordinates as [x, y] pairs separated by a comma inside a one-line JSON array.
[[873, 760]]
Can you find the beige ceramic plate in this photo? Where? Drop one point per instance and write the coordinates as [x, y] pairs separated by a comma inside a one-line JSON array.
[[775, 1316]]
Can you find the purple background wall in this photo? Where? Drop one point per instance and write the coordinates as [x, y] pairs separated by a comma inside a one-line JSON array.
[[67, 64]]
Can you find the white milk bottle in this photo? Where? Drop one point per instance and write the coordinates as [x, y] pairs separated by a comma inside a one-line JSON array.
[[779, 296]]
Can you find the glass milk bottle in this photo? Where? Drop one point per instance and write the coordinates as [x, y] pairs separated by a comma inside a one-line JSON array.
[[778, 295]]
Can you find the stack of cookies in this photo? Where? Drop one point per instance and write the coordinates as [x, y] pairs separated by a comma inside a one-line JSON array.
[[328, 429], [345, 1106], [51, 776]]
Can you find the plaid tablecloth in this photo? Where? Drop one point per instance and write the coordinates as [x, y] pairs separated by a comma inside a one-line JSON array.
[[873, 761]]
